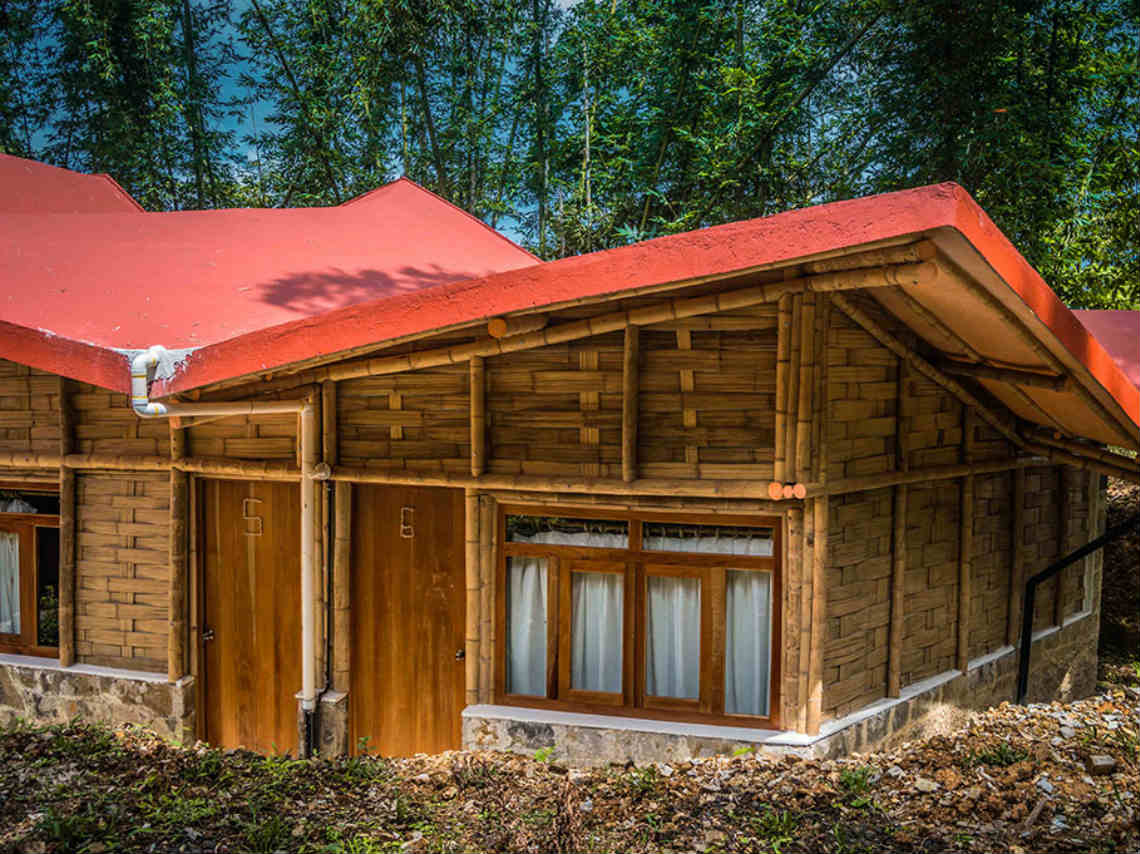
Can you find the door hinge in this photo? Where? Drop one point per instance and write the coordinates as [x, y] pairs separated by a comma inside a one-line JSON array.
[[207, 635]]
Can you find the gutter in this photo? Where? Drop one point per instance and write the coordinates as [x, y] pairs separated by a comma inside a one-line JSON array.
[[142, 364]]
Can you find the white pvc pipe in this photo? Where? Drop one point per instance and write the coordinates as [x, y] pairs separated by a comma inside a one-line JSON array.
[[141, 365]]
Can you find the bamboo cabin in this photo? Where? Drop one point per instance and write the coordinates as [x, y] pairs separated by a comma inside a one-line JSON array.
[[294, 479]]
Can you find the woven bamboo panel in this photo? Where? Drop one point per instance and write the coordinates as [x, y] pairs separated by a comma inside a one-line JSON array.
[[1041, 543], [990, 563], [106, 424], [417, 420], [858, 601], [245, 437], [121, 613], [29, 410]]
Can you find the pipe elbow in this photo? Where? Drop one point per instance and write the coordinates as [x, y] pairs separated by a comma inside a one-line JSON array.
[[141, 366]]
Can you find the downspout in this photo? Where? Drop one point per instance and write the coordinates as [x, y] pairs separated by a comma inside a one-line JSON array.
[[141, 366], [1032, 583]]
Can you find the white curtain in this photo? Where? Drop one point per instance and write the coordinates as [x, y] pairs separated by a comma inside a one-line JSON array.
[[597, 609], [747, 632], [678, 538], [526, 625], [673, 637], [9, 583]]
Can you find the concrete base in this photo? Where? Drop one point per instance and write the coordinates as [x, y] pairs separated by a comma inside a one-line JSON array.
[[333, 711], [1063, 667], [38, 690]]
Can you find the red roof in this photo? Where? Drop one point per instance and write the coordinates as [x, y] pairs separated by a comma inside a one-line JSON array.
[[1119, 332], [27, 186], [255, 290]]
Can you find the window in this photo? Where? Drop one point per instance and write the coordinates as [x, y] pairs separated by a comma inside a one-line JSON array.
[[29, 571], [641, 615]]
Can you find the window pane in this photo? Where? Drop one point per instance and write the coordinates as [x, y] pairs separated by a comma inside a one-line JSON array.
[[526, 625], [14, 501], [748, 603], [47, 586], [563, 531], [596, 631], [673, 637], [707, 539], [9, 583]]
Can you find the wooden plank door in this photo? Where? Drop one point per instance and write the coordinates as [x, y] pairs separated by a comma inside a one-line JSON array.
[[408, 611], [251, 614]]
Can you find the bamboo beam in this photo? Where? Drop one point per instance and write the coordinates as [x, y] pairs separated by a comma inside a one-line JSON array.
[[922, 250], [117, 462], [1017, 556], [818, 613], [471, 563], [1125, 428], [630, 388], [486, 597], [674, 309], [806, 387], [1080, 449], [924, 367], [783, 367], [30, 461], [950, 471], [1014, 376], [1056, 455], [330, 446], [267, 469], [505, 327], [568, 500], [477, 393], [965, 544], [342, 589], [67, 552]]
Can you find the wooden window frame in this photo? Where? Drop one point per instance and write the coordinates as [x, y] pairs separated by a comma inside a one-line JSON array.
[[639, 565], [25, 525]]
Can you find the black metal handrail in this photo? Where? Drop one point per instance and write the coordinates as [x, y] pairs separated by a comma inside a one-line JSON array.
[[1032, 583]]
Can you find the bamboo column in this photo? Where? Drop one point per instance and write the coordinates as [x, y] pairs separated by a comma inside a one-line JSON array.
[[477, 391], [487, 597], [1092, 596], [179, 508], [898, 540], [342, 590], [783, 366], [799, 580], [793, 391], [1064, 539], [631, 385], [67, 567], [1017, 560], [329, 443], [965, 544], [471, 560], [806, 387], [818, 613]]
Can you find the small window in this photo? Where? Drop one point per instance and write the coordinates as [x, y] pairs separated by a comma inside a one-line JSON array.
[[562, 531], [707, 539], [29, 572]]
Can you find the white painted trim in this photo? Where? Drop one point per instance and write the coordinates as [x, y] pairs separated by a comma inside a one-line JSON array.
[[35, 663]]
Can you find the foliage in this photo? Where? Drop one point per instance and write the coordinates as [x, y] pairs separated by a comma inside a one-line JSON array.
[[576, 126]]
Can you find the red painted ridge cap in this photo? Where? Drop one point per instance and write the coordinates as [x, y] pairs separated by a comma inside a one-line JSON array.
[[119, 190], [718, 250]]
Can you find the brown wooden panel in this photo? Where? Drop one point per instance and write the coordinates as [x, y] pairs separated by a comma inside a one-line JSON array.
[[252, 603], [407, 619]]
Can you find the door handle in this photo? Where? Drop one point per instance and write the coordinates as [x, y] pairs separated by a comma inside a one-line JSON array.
[[207, 635], [460, 654]]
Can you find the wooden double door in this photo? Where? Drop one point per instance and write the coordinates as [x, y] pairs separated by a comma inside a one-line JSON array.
[[408, 611], [250, 625]]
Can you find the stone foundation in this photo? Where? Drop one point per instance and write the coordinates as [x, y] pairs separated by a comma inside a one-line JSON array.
[[40, 691], [1063, 667]]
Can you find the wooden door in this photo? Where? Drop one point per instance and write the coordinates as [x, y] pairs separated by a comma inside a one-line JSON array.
[[408, 614], [251, 614]]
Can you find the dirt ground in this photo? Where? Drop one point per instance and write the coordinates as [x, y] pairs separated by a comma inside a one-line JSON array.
[[1018, 779]]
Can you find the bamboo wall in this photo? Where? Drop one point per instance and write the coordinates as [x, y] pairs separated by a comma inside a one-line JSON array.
[[29, 410]]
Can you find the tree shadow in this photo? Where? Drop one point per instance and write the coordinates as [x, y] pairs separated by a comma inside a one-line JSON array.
[[315, 293]]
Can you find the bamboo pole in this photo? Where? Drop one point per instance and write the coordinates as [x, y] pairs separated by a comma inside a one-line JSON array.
[[922, 250], [1058, 456], [477, 392], [330, 448], [791, 422], [1017, 556], [634, 503], [630, 388], [1124, 427], [179, 507], [674, 309], [1080, 449], [797, 583], [486, 597], [965, 544], [898, 542], [819, 407], [983, 371], [342, 587], [950, 471], [266, 470], [505, 327], [117, 462], [67, 552], [806, 384], [783, 367], [471, 562], [818, 613], [30, 460], [1064, 538], [924, 367]]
